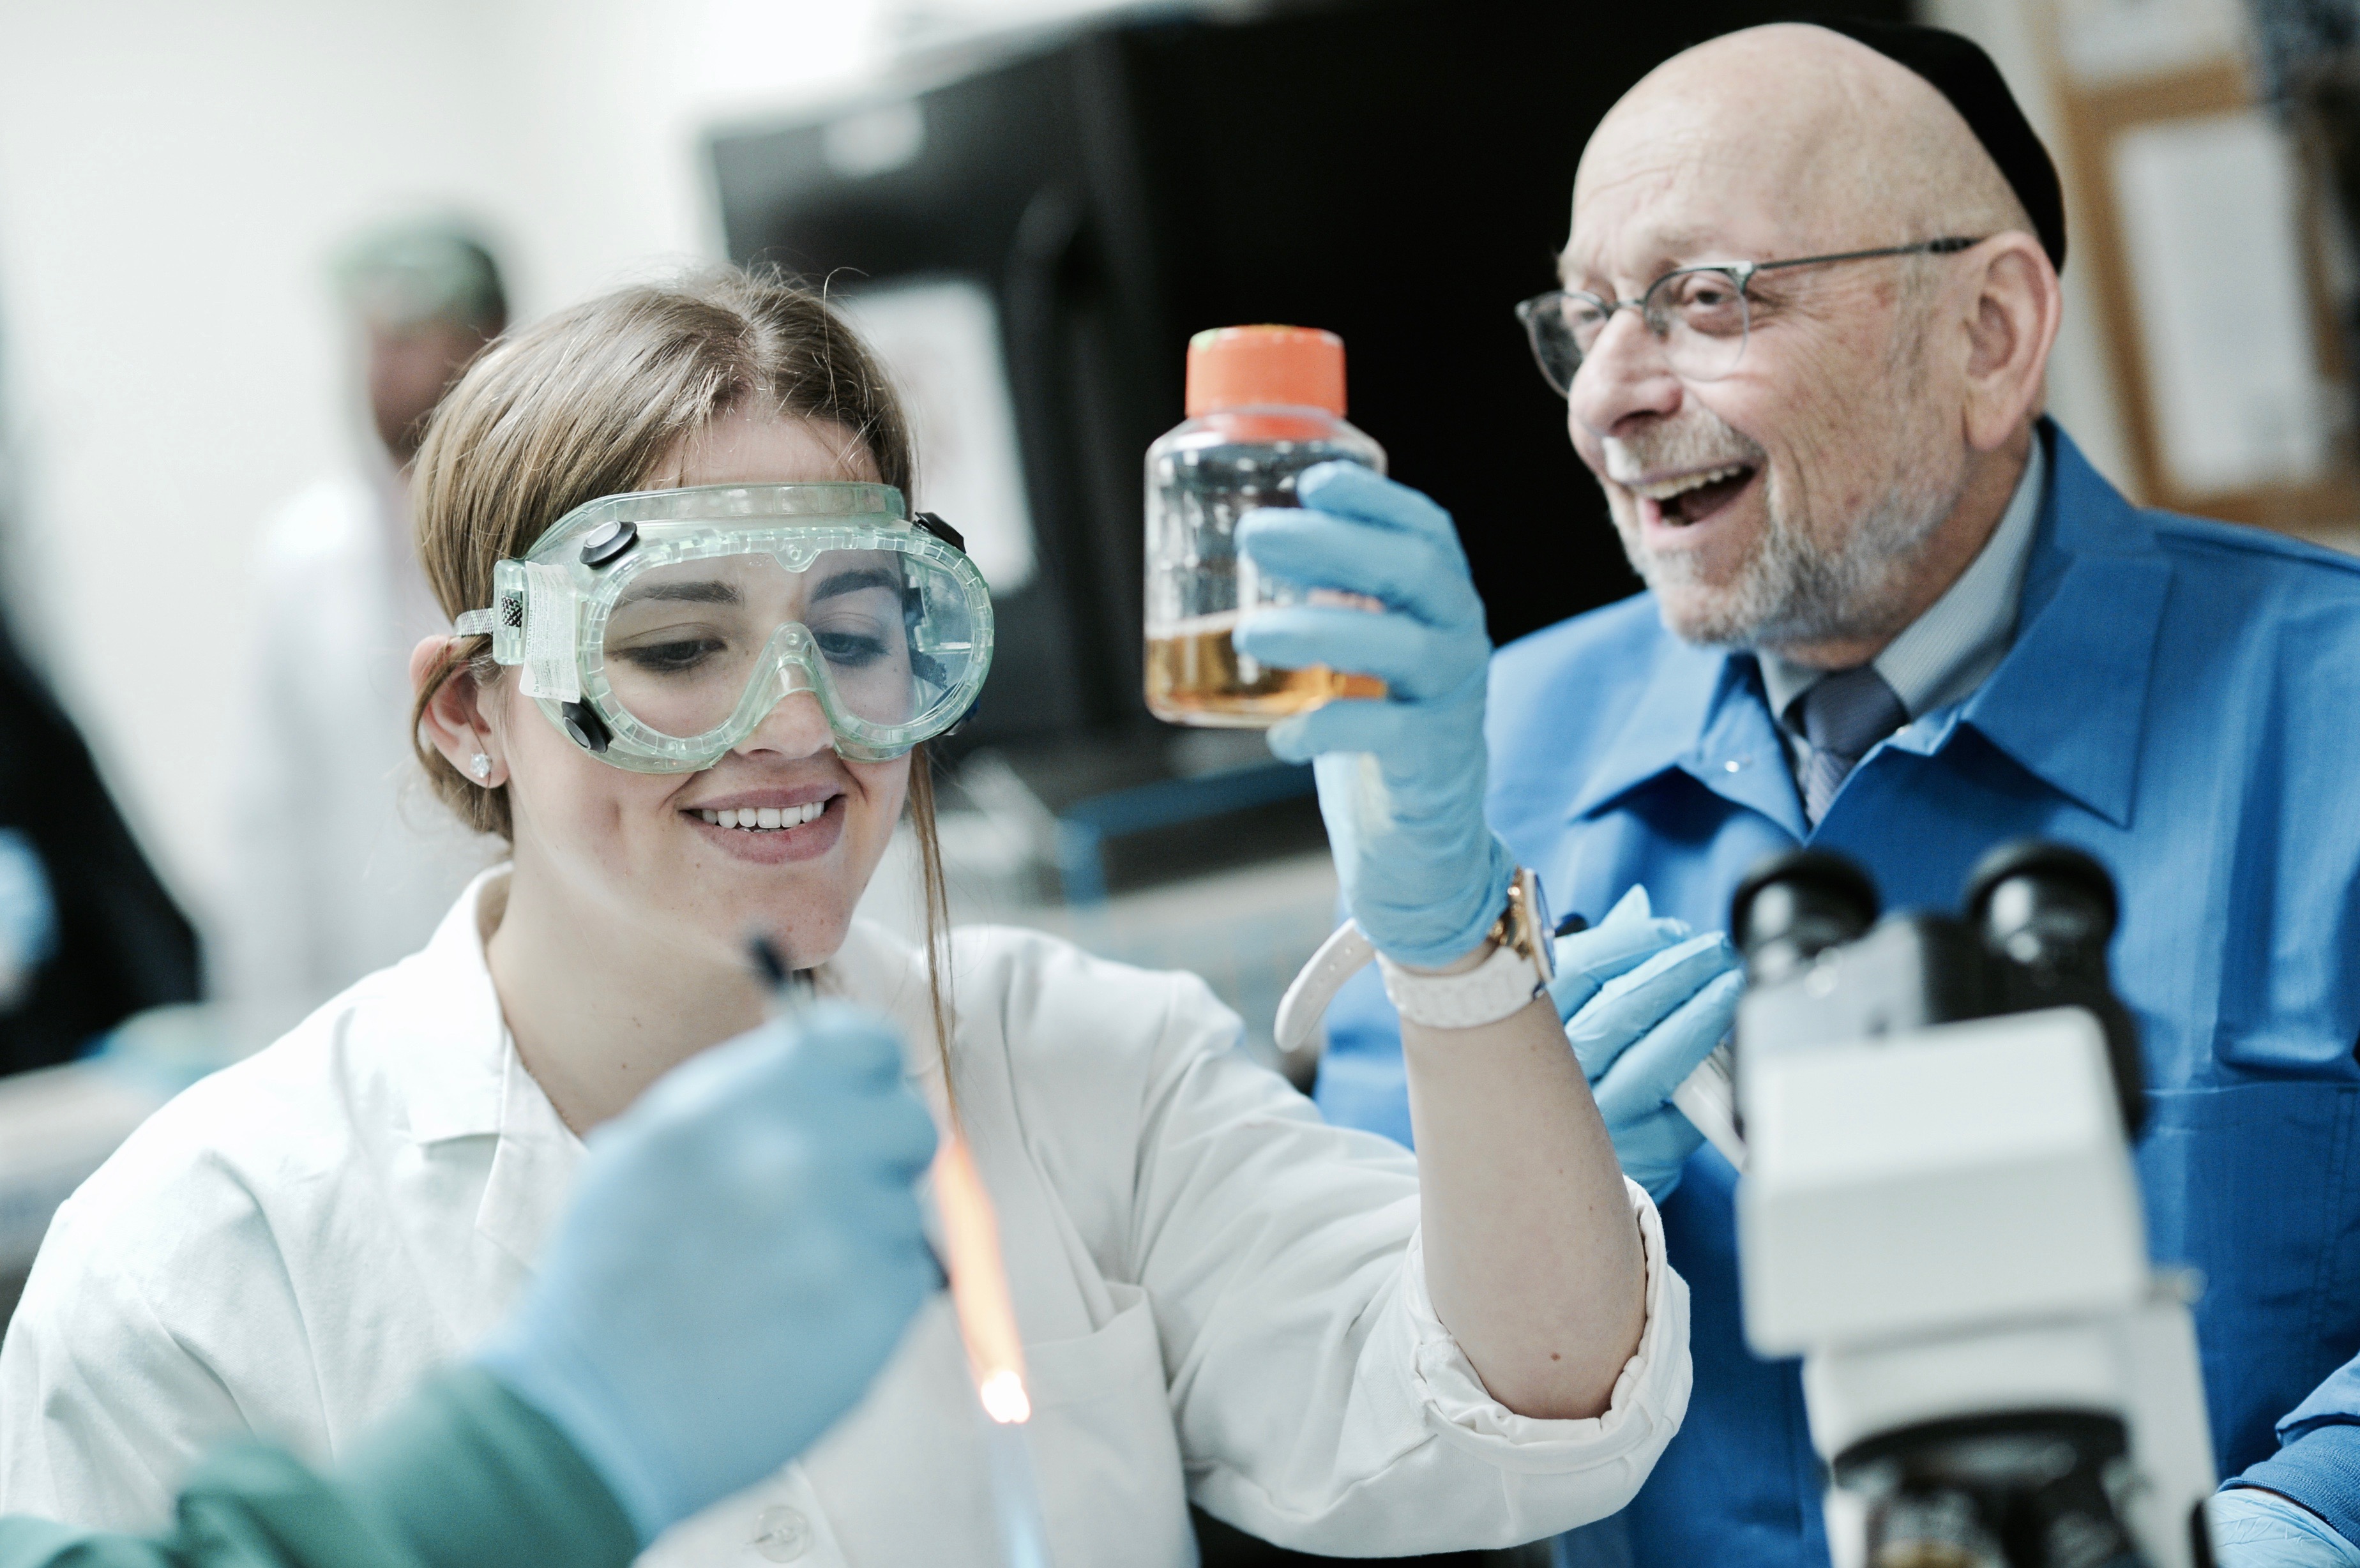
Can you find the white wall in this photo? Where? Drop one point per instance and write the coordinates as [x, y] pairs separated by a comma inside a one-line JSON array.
[[172, 180]]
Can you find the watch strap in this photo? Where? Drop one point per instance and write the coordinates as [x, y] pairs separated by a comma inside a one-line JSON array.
[[1518, 970], [1496, 988], [1339, 958]]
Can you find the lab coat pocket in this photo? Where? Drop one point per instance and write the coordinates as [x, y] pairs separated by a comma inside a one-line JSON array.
[[2254, 1185], [1103, 1442]]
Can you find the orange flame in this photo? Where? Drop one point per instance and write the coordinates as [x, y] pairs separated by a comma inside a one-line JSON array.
[[979, 1284]]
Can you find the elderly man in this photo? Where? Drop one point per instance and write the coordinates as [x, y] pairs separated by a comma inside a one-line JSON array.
[[1809, 298]]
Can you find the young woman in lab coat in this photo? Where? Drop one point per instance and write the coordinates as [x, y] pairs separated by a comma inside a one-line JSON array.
[[1224, 1300]]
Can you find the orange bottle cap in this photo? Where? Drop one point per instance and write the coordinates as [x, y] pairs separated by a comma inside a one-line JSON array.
[[1240, 367]]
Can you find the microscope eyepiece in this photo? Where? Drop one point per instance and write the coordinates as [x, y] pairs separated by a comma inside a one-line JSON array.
[[1794, 907], [2047, 906], [2047, 911]]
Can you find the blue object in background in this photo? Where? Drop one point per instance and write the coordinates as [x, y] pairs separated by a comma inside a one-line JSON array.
[[28, 916], [2180, 702]]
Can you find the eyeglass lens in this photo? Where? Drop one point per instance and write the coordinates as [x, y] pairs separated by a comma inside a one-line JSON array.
[[1698, 316]]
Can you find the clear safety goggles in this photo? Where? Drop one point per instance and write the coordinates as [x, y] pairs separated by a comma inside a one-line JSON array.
[[660, 628]]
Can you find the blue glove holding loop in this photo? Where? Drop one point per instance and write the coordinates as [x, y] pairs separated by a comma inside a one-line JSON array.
[[1642, 1030], [1401, 778], [2254, 1528], [742, 1255]]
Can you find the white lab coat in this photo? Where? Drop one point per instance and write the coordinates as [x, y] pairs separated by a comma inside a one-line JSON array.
[[1221, 1296], [342, 860]]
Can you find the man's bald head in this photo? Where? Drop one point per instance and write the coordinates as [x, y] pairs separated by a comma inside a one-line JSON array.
[[1848, 148]]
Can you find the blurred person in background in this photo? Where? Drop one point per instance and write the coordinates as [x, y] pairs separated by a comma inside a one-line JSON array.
[[341, 865]]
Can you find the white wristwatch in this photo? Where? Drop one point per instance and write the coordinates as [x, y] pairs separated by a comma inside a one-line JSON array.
[[1520, 966]]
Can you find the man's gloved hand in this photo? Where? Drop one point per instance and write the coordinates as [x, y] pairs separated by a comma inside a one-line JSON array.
[[742, 1255], [1631, 934], [1401, 778], [1640, 1031], [2254, 1528]]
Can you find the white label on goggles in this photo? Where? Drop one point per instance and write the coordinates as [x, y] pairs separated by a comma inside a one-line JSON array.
[[550, 670]]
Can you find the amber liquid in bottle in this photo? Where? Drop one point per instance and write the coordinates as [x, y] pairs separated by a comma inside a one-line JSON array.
[[1194, 676]]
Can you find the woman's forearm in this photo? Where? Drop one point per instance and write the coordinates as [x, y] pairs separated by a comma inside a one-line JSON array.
[[1533, 1257]]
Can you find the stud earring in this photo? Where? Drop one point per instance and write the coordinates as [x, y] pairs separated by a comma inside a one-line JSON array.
[[481, 766]]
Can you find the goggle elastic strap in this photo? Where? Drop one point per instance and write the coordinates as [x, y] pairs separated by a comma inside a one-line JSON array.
[[531, 623]]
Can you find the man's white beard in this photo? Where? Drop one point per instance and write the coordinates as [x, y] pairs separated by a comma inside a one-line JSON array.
[[1791, 588]]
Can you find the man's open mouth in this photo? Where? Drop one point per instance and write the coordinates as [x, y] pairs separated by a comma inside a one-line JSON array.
[[1692, 497]]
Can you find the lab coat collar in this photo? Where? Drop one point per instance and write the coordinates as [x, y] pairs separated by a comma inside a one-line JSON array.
[[463, 1077], [532, 1167], [454, 1078], [2092, 607]]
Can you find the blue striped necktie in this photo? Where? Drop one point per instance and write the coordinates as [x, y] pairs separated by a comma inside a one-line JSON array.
[[1843, 715]]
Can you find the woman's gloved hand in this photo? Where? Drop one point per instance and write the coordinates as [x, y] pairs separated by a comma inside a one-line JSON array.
[[1401, 778], [1644, 1028], [742, 1254], [2254, 1528]]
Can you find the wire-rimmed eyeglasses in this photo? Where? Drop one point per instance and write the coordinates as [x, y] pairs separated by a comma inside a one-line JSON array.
[[1699, 314]]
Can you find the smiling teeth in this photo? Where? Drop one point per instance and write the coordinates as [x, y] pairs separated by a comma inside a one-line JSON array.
[[767, 816], [1665, 489]]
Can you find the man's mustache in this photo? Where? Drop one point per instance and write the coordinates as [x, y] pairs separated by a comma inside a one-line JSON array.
[[1678, 447]]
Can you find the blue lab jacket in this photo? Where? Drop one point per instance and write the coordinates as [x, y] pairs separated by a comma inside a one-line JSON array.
[[2182, 700]]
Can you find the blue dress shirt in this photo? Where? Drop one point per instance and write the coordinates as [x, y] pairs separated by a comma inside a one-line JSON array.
[[2182, 700]]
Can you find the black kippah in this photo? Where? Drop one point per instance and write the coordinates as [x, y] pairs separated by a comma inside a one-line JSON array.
[[1962, 72]]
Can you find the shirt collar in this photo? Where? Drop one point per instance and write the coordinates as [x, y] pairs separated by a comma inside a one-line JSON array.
[[1942, 656], [2091, 608]]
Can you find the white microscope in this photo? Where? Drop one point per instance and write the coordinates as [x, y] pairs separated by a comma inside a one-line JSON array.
[[1940, 1214]]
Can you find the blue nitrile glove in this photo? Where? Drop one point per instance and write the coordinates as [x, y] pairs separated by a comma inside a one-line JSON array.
[[1641, 1036], [2254, 1528], [1401, 778], [741, 1257], [1628, 935]]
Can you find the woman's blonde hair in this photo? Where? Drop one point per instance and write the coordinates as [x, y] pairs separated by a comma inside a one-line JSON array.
[[593, 401]]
